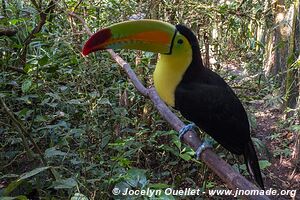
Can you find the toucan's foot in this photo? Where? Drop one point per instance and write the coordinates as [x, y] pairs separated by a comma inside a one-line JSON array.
[[185, 129], [204, 145]]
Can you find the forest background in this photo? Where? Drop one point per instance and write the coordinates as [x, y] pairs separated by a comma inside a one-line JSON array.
[[74, 126]]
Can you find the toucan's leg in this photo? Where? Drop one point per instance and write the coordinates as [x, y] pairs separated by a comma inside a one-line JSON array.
[[204, 145], [185, 129]]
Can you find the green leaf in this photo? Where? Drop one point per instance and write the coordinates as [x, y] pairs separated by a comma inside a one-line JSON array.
[[79, 196], [25, 112], [159, 186], [51, 152], [242, 167], [252, 120], [177, 142], [7, 198], [75, 102], [55, 96], [60, 124], [56, 174], [43, 60], [185, 156], [170, 149], [11, 187], [94, 94], [136, 178], [104, 101], [9, 176], [14, 21], [32, 173], [295, 128], [28, 67], [105, 140], [20, 197], [41, 118], [77, 132], [26, 85], [64, 184], [264, 164]]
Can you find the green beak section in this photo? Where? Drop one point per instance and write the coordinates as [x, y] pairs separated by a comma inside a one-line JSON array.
[[147, 35]]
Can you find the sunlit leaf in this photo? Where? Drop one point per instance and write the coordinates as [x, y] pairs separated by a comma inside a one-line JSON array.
[[185, 156], [12, 186], [264, 164], [14, 21], [26, 85]]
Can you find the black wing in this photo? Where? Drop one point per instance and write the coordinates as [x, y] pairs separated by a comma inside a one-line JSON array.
[[216, 110]]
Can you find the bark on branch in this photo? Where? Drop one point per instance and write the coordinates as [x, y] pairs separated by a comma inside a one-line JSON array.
[[7, 31], [43, 18], [232, 178]]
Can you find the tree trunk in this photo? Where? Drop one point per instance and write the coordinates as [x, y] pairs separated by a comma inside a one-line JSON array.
[[296, 151], [291, 90], [275, 61]]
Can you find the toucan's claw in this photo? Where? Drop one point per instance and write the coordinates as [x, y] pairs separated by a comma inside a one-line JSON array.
[[185, 129], [204, 145]]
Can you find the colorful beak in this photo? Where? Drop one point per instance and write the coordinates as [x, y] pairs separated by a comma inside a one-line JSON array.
[[147, 35]]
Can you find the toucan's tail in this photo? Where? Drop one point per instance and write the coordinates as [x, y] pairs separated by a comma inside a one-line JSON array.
[[252, 164]]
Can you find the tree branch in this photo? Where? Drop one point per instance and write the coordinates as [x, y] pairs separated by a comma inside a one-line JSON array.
[[24, 133], [37, 28], [17, 70], [7, 31], [79, 2], [233, 179]]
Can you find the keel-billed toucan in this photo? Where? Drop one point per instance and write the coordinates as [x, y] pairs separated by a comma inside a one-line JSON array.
[[182, 81]]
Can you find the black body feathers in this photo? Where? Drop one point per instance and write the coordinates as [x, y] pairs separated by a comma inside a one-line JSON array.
[[204, 98]]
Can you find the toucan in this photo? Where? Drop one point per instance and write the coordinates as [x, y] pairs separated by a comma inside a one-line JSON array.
[[184, 83]]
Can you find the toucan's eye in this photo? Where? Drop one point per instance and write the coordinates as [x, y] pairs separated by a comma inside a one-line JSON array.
[[180, 41]]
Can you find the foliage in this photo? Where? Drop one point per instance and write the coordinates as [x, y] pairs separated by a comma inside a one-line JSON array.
[[94, 130]]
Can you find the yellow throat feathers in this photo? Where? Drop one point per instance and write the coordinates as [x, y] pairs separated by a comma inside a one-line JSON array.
[[169, 72]]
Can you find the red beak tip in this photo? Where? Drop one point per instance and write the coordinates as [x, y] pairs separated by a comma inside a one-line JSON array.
[[85, 51], [94, 42]]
